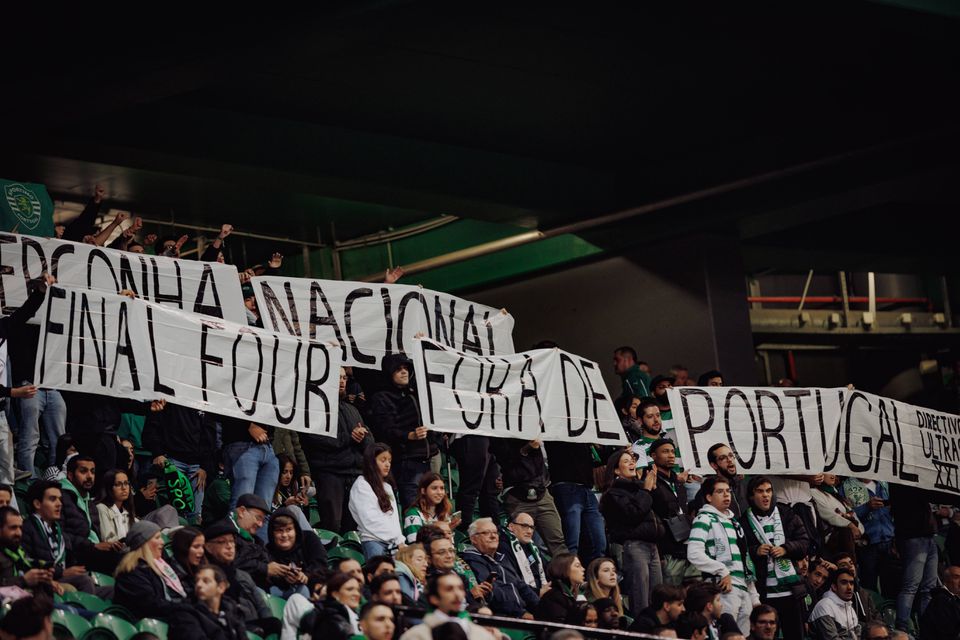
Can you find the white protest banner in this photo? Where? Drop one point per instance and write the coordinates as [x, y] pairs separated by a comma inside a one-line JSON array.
[[113, 345], [209, 288], [775, 430], [546, 394], [370, 321], [884, 439]]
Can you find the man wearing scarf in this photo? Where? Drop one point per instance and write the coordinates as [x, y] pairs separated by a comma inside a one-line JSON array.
[[519, 550], [718, 548], [775, 538]]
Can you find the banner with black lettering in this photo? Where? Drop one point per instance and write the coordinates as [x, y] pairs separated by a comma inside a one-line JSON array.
[[113, 345], [798, 431], [209, 288], [370, 321], [775, 430], [546, 394], [885, 439]]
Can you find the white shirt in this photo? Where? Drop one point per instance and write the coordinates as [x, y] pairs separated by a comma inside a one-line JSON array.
[[374, 524]]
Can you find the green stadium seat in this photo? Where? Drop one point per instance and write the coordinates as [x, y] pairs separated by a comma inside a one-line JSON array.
[[341, 552], [252, 636], [120, 611], [351, 539], [68, 625], [102, 579], [327, 538], [277, 606], [87, 601], [156, 627], [109, 627]]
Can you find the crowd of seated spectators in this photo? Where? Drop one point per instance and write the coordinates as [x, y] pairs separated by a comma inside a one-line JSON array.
[[341, 531]]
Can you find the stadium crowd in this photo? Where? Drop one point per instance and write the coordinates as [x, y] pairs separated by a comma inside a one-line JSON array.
[[221, 528]]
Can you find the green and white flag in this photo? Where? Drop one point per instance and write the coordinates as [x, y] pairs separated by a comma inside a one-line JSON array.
[[25, 208]]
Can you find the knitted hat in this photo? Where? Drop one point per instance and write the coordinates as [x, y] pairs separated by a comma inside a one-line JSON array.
[[140, 533]]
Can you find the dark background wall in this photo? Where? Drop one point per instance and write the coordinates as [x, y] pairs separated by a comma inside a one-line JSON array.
[[682, 302]]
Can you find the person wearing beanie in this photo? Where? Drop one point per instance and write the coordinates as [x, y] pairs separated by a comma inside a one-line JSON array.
[[395, 418], [146, 584]]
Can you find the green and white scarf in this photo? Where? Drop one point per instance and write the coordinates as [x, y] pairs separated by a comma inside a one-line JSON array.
[[528, 562], [780, 571]]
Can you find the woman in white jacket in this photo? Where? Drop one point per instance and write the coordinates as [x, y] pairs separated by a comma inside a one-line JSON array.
[[373, 504], [115, 507]]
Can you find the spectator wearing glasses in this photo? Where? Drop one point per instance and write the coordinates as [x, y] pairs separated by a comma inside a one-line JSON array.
[[718, 548], [520, 552], [510, 595], [724, 463], [763, 623]]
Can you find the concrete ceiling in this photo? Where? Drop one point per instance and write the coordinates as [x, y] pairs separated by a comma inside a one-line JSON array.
[[379, 114]]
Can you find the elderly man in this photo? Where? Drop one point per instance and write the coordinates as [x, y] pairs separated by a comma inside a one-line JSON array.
[[221, 550], [523, 556], [251, 553], [941, 619], [510, 595]]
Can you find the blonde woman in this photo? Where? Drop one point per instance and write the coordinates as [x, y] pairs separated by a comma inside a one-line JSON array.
[[604, 582], [146, 584], [412, 568]]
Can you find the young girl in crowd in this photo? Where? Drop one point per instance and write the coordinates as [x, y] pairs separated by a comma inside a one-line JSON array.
[[432, 505], [373, 504], [412, 569], [115, 506], [604, 582], [567, 577], [288, 492], [187, 544]]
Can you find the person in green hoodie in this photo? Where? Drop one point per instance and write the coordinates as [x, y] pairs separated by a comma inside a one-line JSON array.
[[636, 382]]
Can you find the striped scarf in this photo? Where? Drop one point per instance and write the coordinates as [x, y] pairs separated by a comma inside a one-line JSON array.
[[780, 571]]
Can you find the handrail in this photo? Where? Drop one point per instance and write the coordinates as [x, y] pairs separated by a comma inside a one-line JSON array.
[[534, 626]]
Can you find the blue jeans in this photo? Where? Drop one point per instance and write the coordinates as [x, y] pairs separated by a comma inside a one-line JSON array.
[[289, 591], [920, 558], [578, 507], [190, 471], [252, 468], [642, 572], [408, 474], [373, 548], [47, 410]]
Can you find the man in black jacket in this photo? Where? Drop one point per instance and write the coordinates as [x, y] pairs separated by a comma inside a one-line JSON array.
[[670, 505], [221, 550], [80, 519], [666, 605], [525, 484], [776, 538], [16, 567], [395, 417], [336, 463], [43, 539], [188, 439], [251, 553], [12, 328], [941, 620]]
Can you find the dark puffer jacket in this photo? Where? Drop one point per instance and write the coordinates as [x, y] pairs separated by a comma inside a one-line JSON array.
[[627, 509], [394, 414]]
